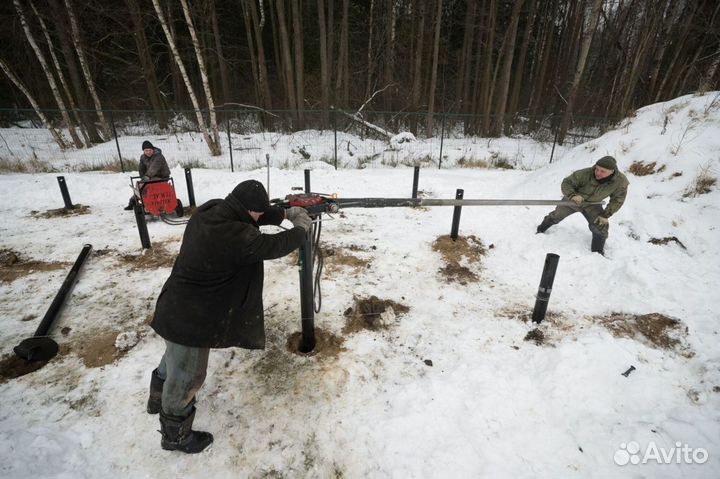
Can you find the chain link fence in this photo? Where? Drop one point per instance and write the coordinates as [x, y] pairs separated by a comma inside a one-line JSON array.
[[249, 136]]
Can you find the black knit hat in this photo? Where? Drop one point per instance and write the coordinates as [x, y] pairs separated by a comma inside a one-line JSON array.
[[252, 195], [147, 144], [607, 162]]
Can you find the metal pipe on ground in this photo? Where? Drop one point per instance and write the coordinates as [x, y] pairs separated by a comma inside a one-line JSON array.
[[142, 225], [456, 215], [545, 288], [307, 310], [40, 347]]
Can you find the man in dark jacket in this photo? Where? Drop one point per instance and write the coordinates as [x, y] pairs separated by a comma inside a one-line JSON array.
[[153, 166], [213, 299], [592, 184]]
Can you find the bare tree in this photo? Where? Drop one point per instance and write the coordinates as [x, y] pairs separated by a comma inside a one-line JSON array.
[[324, 62], [214, 146], [342, 80], [433, 69], [504, 81], [57, 136], [86, 69], [299, 60], [48, 74], [287, 64], [222, 62], [580, 68], [60, 75], [204, 77]]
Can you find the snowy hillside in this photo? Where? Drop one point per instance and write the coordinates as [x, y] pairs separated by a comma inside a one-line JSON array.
[[453, 381]]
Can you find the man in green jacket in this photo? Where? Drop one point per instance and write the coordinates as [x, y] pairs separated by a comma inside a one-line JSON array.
[[590, 185]]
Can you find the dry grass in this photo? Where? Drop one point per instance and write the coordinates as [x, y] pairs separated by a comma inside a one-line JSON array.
[[62, 212], [703, 183], [27, 166], [156, 257], [653, 329], [372, 314], [639, 168]]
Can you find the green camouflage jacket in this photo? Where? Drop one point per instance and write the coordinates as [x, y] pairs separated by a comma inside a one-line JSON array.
[[583, 183]]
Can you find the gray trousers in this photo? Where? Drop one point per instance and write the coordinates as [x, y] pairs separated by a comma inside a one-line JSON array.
[[590, 212], [183, 369]]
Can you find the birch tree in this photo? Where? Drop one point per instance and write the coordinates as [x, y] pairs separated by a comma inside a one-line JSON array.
[[203, 76], [214, 146], [86, 69], [48, 74], [57, 136]]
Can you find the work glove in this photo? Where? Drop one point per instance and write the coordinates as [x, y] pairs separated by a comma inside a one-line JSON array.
[[302, 220], [292, 212], [577, 199], [601, 221]]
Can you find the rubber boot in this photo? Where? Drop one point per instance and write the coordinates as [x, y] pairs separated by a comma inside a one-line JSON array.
[[542, 227], [598, 244], [154, 403], [177, 434]]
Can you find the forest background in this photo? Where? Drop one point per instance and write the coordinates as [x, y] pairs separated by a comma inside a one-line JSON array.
[[488, 67]]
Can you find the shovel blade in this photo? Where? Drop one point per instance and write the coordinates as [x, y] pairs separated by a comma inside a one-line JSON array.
[[37, 348]]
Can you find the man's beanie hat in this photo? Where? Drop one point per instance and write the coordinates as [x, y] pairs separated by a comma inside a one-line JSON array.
[[607, 162], [147, 144], [252, 195]]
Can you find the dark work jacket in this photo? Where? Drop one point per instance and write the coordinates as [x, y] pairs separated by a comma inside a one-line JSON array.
[[213, 297], [154, 167]]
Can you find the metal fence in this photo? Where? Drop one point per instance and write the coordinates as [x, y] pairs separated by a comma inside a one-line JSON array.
[[23, 138]]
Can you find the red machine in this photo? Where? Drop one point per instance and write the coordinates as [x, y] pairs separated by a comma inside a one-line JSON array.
[[157, 197]]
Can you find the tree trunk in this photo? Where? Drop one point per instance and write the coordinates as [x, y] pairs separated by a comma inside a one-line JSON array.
[[222, 62], [86, 70], [519, 73], [48, 74], [287, 64], [486, 89], [299, 61], [580, 69], [433, 70], [263, 85], [245, 4], [60, 75], [661, 44], [390, 56], [680, 41], [146, 63], [370, 63], [214, 148], [342, 83], [466, 55], [417, 74], [57, 136], [504, 82], [324, 67]]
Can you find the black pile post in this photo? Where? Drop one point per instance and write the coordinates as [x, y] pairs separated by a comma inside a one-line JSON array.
[[545, 288], [142, 225], [227, 124], [40, 347], [191, 190], [307, 181], [307, 310], [416, 179], [65, 193], [456, 215]]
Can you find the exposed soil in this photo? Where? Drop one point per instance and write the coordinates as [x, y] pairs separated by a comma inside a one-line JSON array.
[[96, 351], [666, 240], [337, 258], [11, 367], [372, 314], [13, 265], [326, 344], [536, 336], [467, 249], [556, 318], [62, 212], [654, 329], [156, 257]]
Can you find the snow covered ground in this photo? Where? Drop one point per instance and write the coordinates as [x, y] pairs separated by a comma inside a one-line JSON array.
[[450, 388]]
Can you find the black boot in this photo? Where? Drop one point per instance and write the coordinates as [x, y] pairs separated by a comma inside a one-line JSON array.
[[131, 204], [177, 434], [598, 244], [154, 403], [542, 227]]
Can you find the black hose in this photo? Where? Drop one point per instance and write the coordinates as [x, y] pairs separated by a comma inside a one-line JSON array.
[[319, 262]]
